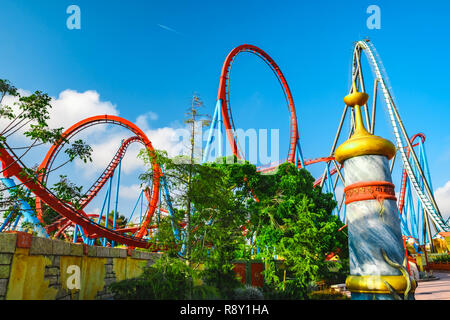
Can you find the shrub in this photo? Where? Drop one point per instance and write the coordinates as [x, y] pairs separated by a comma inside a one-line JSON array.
[[167, 279], [248, 293], [293, 290], [443, 258], [223, 279]]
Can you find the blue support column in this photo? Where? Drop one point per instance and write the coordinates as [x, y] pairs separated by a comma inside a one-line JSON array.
[[211, 134], [219, 129], [300, 154], [6, 220], [75, 234], [107, 207], [159, 214], [99, 220], [16, 221], [117, 198], [330, 189], [169, 205], [425, 164], [25, 209], [140, 215]]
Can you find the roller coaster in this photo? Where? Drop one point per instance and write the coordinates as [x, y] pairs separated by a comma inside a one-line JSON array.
[[418, 210]]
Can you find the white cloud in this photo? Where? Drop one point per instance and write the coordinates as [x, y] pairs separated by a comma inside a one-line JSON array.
[[142, 120], [67, 109], [72, 106], [442, 195], [169, 139], [166, 138], [130, 192], [103, 152]]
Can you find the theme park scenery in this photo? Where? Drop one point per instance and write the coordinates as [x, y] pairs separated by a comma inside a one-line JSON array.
[[222, 228]]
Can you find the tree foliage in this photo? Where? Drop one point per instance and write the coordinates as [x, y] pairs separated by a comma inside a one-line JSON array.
[[29, 115], [238, 211], [294, 221]]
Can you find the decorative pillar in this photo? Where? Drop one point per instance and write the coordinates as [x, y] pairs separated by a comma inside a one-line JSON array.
[[377, 256]]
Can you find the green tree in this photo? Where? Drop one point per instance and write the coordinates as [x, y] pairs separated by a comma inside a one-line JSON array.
[[31, 114], [294, 221], [220, 195]]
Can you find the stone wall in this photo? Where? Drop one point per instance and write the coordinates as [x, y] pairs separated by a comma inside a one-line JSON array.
[[34, 268]]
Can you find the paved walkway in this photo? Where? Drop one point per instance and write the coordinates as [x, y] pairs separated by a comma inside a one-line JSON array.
[[435, 289]]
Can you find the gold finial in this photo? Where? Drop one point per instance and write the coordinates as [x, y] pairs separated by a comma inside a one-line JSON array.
[[362, 142]]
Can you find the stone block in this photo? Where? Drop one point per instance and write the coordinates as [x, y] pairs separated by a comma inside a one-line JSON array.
[[4, 271], [52, 271], [61, 248], [3, 286], [115, 252], [103, 252], [41, 246], [109, 281], [123, 253], [55, 260], [92, 251], [109, 268], [8, 242], [6, 258], [52, 280], [76, 249], [148, 255], [136, 254]]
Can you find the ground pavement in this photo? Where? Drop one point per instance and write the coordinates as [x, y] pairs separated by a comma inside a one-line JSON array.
[[435, 289]]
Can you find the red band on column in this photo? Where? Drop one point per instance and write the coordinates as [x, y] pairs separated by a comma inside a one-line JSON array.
[[370, 190]]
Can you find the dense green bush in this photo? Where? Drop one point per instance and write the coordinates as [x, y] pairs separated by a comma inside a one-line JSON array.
[[248, 293], [223, 279], [167, 279], [443, 258], [282, 214], [292, 290]]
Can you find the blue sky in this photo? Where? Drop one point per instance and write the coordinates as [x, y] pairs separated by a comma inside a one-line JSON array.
[[151, 56]]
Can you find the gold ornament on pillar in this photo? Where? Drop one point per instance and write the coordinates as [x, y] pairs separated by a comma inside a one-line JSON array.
[[362, 142]]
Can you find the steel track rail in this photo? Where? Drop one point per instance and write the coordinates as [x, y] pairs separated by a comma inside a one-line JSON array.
[[427, 200]]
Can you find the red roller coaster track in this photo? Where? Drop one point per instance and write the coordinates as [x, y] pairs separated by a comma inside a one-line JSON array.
[[223, 95], [15, 168], [108, 172], [72, 216], [401, 202], [62, 223]]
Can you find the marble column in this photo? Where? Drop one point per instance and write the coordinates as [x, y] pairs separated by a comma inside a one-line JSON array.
[[376, 252]]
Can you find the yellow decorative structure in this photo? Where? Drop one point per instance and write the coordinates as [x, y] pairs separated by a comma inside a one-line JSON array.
[[377, 284], [362, 142], [374, 232]]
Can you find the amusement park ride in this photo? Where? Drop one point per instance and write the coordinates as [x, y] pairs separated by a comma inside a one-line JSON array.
[[418, 211]]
